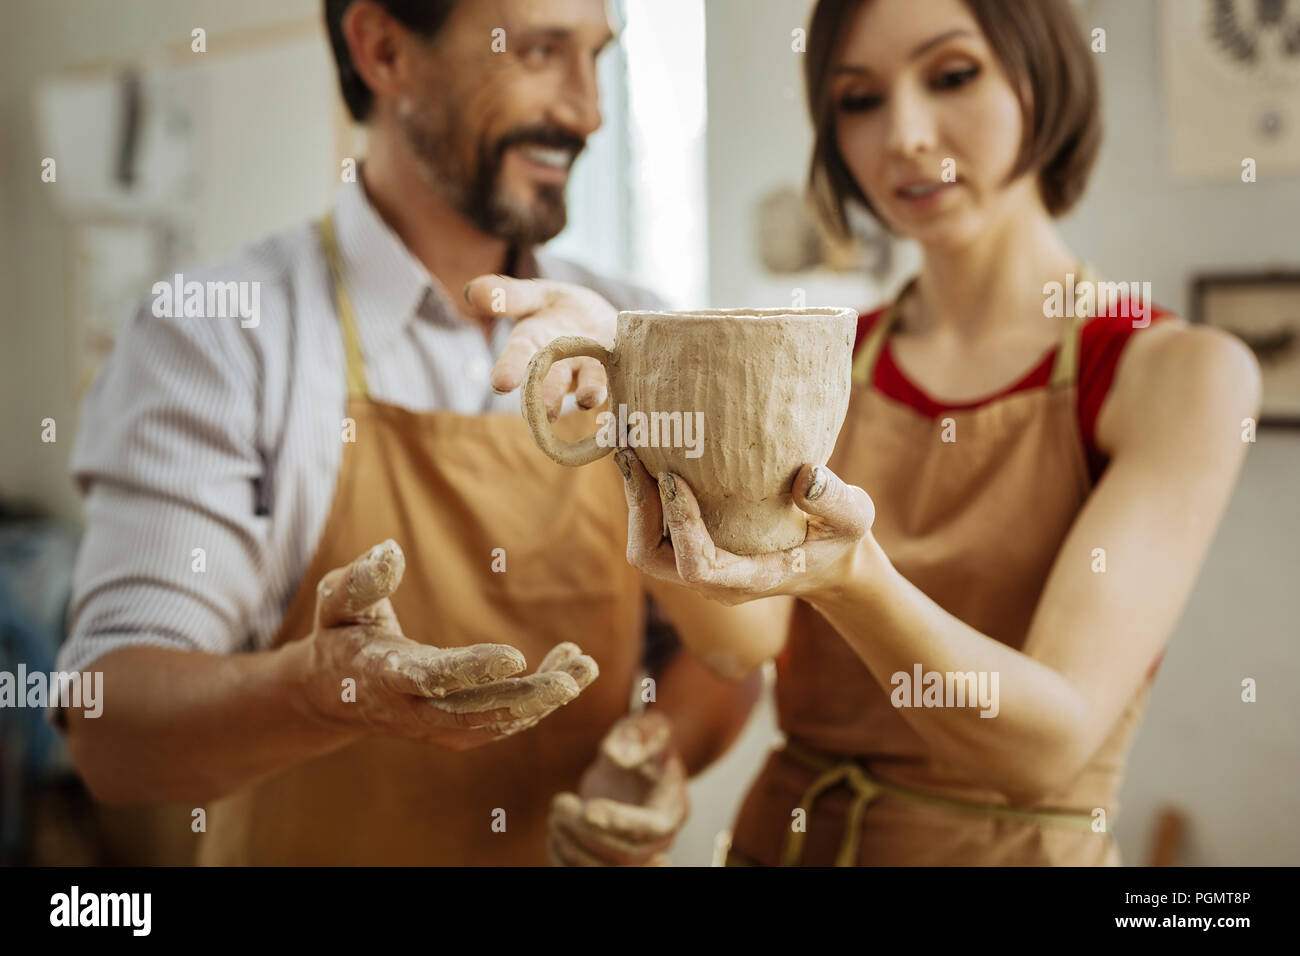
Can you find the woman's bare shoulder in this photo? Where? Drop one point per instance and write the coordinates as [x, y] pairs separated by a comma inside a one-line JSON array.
[[1177, 373]]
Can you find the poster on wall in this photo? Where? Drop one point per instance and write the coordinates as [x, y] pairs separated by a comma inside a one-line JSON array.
[[156, 158], [1231, 87], [128, 141]]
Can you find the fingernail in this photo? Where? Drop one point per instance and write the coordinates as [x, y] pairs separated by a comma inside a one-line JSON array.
[[380, 552], [620, 459], [818, 483], [465, 292], [667, 486], [583, 670], [379, 570], [503, 667], [556, 693]]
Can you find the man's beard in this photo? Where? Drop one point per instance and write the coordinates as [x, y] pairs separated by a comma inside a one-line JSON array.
[[476, 193]]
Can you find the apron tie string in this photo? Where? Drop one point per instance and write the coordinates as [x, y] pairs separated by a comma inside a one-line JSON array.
[[864, 789], [867, 788]]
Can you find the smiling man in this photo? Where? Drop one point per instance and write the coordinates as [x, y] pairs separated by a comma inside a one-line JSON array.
[[475, 128], [336, 593], [497, 147]]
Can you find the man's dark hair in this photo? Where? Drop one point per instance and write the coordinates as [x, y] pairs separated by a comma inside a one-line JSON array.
[[425, 17]]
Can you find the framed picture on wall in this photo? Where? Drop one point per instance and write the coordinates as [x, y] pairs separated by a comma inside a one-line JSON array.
[[1230, 73], [1263, 310]]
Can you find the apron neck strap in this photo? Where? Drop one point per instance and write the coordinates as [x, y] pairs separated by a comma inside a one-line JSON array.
[[1066, 367], [1064, 370], [864, 366], [356, 365]]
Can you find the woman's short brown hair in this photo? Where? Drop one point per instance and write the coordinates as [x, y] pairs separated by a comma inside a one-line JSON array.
[[1042, 48]]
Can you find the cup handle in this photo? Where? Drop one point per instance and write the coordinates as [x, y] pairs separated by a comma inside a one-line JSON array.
[[571, 453]]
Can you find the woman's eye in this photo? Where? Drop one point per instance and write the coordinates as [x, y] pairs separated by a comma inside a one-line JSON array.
[[859, 102], [951, 79]]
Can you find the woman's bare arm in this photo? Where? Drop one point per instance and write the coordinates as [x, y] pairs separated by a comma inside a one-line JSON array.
[[1174, 427]]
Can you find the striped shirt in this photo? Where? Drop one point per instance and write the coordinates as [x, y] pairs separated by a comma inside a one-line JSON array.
[[209, 447]]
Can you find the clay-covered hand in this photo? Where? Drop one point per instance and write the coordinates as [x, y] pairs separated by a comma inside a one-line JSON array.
[[544, 311], [456, 697], [839, 518], [630, 803]]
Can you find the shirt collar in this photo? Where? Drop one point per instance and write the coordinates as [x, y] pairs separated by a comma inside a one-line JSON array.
[[384, 281], [388, 286]]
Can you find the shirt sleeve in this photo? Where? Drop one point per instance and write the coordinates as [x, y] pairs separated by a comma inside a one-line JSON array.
[[167, 458]]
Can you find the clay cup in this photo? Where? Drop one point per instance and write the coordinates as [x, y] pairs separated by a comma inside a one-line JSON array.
[[734, 401]]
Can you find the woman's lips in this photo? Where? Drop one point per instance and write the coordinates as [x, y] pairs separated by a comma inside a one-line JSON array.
[[923, 195]]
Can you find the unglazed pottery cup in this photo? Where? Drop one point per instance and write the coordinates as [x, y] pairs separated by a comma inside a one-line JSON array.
[[735, 401]]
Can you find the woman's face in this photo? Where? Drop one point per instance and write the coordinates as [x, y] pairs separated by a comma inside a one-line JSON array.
[[915, 85]]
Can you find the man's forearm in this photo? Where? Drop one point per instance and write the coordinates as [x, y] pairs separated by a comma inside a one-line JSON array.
[[187, 726]]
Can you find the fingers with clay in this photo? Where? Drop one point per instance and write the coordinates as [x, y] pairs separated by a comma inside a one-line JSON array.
[[601, 833], [648, 549], [451, 697], [358, 592], [835, 510], [543, 311], [668, 539], [517, 703], [631, 804], [584, 377], [425, 671]]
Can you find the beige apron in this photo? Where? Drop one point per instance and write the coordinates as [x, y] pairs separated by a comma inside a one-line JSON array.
[[450, 489], [975, 524]]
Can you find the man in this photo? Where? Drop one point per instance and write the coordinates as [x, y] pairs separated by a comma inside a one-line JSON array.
[[321, 552]]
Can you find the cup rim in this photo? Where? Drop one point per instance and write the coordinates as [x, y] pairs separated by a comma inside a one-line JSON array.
[[742, 314]]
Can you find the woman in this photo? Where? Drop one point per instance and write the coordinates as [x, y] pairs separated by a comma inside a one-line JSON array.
[[1017, 506]]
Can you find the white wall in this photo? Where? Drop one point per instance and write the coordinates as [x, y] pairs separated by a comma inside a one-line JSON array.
[[759, 139], [1231, 766], [36, 361]]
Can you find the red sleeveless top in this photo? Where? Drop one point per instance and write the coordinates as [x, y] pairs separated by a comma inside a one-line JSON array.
[[1101, 344]]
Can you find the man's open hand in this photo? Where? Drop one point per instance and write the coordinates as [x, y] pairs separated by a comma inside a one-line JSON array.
[[543, 311], [455, 697]]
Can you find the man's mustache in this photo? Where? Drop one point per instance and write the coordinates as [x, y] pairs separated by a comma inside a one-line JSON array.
[[550, 137]]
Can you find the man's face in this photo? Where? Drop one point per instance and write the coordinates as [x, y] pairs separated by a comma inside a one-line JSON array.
[[504, 99]]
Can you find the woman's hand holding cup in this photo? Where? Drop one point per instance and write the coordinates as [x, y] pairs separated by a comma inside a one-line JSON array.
[[839, 517]]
